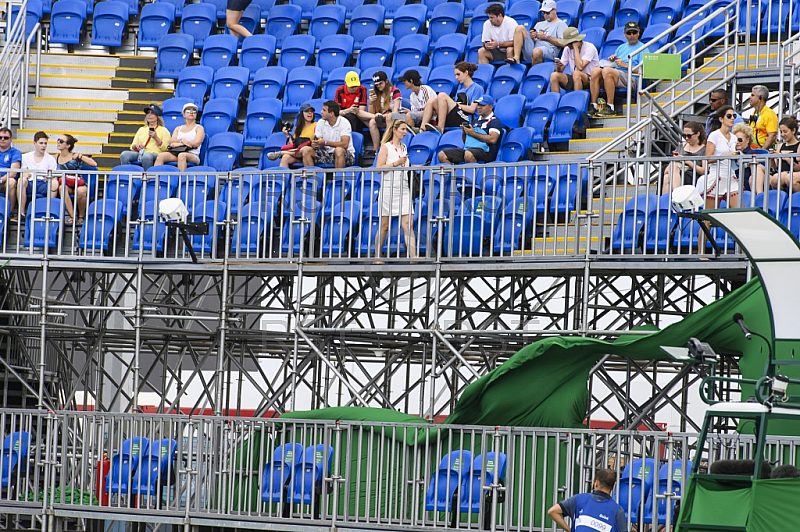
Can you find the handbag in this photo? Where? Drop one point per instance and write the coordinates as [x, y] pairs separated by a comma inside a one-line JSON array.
[[179, 149], [71, 179]]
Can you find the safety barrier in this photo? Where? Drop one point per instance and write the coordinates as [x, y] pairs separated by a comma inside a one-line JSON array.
[[263, 473]]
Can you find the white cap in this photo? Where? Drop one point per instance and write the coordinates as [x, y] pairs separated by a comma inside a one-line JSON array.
[[548, 6]]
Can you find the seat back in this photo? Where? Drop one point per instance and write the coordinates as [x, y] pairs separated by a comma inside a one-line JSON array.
[[257, 52], [279, 471], [66, 21], [16, 449], [155, 21], [197, 21], [224, 150], [156, 465], [194, 83], [326, 20], [308, 474], [124, 465], [174, 53], [366, 21], [283, 21], [219, 51], [452, 470], [408, 20], [634, 485], [297, 51], [109, 22], [486, 470]]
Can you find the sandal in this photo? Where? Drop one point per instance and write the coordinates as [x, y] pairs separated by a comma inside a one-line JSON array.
[[80, 221], [68, 220]]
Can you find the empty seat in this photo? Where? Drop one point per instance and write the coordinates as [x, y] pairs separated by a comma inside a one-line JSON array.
[[376, 51], [16, 450], [631, 11], [516, 145], [219, 51], [446, 20], [99, 228], [536, 81], [155, 21], [392, 6], [335, 52], [515, 226], [268, 82], [635, 484], [219, 7], [251, 19], [124, 465], [224, 151], [570, 183], [660, 225], [198, 20], [297, 51], [475, 222], [122, 186], [339, 227], [447, 52], [596, 13], [650, 32], [568, 11], [665, 11], [66, 21], [109, 22], [423, 147], [283, 21], [33, 13], [302, 85], [257, 52], [194, 83], [306, 6], [172, 113], [279, 471], [678, 482], [156, 467], [408, 20], [262, 117], [441, 79], [509, 110], [487, 470], [43, 221], [326, 20], [273, 143], [541, 112], [571, 108], [596, 36], [526, 13], [230, 82], [307, 485], [177, 4], [174, 53], [631, 222], [349, 6], [506, 80], [219, 116], [367, 20]]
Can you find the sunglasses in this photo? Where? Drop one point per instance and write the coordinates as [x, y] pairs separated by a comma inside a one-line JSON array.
[[59, 141], [729, 115], [193, 111], [5, 138], [688, 135], [712, 100], [740, 139], [632, 32]]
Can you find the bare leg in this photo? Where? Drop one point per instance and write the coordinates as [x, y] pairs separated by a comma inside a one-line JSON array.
[[557, 80], [232, 19], [307, 153], [68, 202], [594, 88], [375, 134], [427, 113], [484, 56], [11, 193], [380, 239], [579, 79], [81, 200], [23, 194], [537, 56], [339, 157], [520, 33], [610, 78], [408, 230]]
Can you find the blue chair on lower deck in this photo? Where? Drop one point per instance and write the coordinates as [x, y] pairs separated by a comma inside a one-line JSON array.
[[293, 237], [486, 470], [659, 225], [339, 226], [308, 475], [631, 221], [408, 20], [16, 450], [452, 470], [257, 52], [102, 220], [634, 486], [156, 466], [282, 21], [302, 85], [124, 465], [279, 471], [474, 223], [678, 481], [224, 151], [255, 218], [194, 83], [122, 186], [43, 212], [212, 213], [151, 233], [515, 225]]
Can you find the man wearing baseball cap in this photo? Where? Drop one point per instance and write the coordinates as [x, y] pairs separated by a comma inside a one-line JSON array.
[[581, 57], [616, 77], [419, 97], [352, 99], [542, 42], [481, 139]]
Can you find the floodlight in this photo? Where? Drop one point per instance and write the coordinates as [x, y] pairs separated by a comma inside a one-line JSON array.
[[686, 198], [173, 210]]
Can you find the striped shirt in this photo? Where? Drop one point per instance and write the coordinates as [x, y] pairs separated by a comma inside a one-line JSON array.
[[418, 101]]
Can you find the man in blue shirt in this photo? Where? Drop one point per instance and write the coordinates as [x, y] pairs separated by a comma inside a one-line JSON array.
[[10, 157], [592, 512], [481, 138], [616, 76]]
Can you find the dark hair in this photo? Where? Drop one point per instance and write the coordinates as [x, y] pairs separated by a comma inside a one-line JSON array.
[[721, 92], [71, 141], [333, 107], [466, 66], [699, 130], [5, 130], [716, 118], [40, 135], [495, 9], [606, 478], [300, 123], [789, 122], [785, 471]]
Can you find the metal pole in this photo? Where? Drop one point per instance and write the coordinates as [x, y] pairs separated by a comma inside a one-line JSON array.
[[223, 321]]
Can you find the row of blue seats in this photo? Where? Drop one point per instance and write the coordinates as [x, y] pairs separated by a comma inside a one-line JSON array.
[[14, 457], [637, 486], [140, 465], [459, 474], [295, 474]]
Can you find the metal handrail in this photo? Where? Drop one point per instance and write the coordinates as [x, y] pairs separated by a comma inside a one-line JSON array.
[[15, 64]]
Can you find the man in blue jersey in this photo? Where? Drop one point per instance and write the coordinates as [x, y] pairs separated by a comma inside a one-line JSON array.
[[10, 158], [592, 512], [614, 75]]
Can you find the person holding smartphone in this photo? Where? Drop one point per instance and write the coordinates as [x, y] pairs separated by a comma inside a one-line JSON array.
[[497, 35], [683, 172], [581, 58], [150, 140]]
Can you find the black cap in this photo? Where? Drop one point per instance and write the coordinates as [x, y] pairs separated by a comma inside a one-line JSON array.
[[380, 75], [632, 26], [153, 107], [412, 76]]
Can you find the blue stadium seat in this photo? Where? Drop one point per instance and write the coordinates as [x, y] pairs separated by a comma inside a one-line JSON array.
[[596, 36], [219, 115], [541, 112], [297, 51], [474, 46], [219, 51], [307, 7], [450, 139], [678, 481], [376, 51], [486, 471], [124, 464], [636, 482], [247, 236], [506, 80], [194, 83], [335, 51], [614, 38], [368, 232], [565, 193], [659, 225], [156, 21], [666, 11], [536, 81], [446, 20], [441, 79], [475, 222], [251, 19], [224, 151], [293, 236], [178, 4], [541, 186], [283, 21], [66, 21], [257, 52], [349, 6], [229, 82], [194, 184], [102, 218], [408, 20], [423, 147], [469, 7], [156, 466], [516, 145], [273, 143], [278, 471], [109, 22], [339, 227], [509, 110], [568, 11], [268, 82], [235, 193], [773, 202], [367, 20], [479, 16], [483, 76], [596, 13], [161, 184], [757, 13], [16, 450], [790, 214], [36, 226], [219, 7], [338, 190], [411, 51], [431, 5], [650, 32], [172, 113], [121, 186], [631, 222], [326, 20], [687, 237], [719, 25], [302, 85], [526, 12], [89, 6], [425, 223], [262, 117], [515, 224], [447, 52], [392, 7], [571, 109], [33, 13], [198, 20], [213, 213], [174, 53], [308, 475], [335, 80], [632, 11]]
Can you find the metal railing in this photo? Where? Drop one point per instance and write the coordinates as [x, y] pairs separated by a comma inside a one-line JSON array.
[[175, 469], [15, 63]]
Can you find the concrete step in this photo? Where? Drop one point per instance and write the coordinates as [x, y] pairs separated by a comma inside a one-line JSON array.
[[25, 136], [78, 59], [64, 103], [79, 93], [91, 71], [84, 126], [604, 133], [54, 113], [67, 81]]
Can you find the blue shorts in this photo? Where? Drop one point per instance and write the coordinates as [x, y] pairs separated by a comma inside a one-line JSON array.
[[41, 188], [547, 51]]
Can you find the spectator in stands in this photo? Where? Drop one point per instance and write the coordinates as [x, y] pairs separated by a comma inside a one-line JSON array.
[[395, 195], [684, 172], [481, 139], [597, 508], [234, 14], [717, 99], [40, 161], [614, 77], [419, 97], [304, 127], [581, 57], [450, 113], [785, 172], [542, 42], [384, 106], [764, 121], [10, 158], [497, 36], [720, 181], [352, 100], [332, 142], [71, 184], [184, 146], [151, 140], [744, 139]]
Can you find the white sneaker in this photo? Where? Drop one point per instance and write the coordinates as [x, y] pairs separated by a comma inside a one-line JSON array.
[[274, 155]]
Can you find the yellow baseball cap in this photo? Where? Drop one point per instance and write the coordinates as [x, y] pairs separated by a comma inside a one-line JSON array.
[[352, 79]]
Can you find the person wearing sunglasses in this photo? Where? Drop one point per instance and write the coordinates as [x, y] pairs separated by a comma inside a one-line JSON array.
[[764, 121], [72, 183], [718, 99], [40, 161], [785, 172], [10, 158], [720, 181], [616, 76], [184, 145], [684, 172]]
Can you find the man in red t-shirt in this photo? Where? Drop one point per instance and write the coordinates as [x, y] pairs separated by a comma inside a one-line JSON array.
[[352, 98]]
